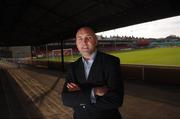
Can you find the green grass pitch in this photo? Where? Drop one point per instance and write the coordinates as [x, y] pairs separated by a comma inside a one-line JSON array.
[[155, 56]]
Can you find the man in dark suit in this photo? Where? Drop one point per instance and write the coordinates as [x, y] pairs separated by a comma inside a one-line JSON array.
[[93, 87]]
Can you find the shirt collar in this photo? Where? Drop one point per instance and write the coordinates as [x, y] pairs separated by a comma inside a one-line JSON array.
[[92, 57]]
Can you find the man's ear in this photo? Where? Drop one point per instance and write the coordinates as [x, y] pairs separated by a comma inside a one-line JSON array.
[[96, 40], [96, 43]]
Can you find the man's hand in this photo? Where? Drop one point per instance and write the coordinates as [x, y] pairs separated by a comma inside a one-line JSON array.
[[72, 87], [100, 91]]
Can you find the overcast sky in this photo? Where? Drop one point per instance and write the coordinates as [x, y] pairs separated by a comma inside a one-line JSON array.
[[154, 29]]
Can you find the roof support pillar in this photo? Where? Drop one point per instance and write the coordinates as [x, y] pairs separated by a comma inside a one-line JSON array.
[[62, 55]]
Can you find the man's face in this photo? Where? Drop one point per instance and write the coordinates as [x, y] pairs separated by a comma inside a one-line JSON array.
[[86, 41]]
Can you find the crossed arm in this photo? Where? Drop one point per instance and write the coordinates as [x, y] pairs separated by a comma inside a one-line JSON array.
[[98, 91]]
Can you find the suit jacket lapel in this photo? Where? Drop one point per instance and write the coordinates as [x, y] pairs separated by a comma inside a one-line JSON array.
[[81, 72]]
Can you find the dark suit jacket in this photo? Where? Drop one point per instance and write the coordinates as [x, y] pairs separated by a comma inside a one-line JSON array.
[[105, 70]]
